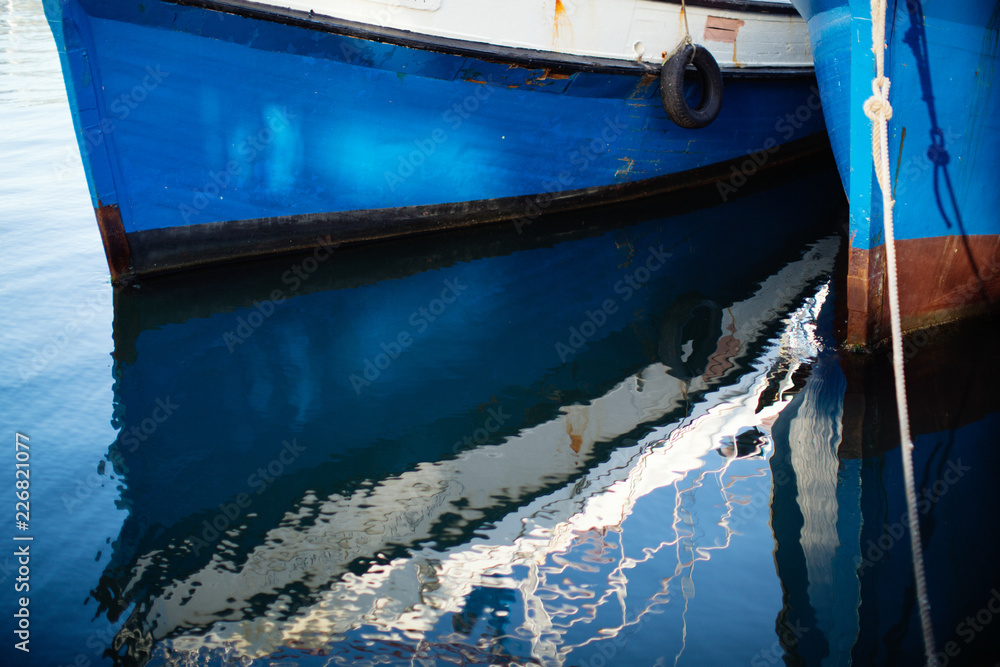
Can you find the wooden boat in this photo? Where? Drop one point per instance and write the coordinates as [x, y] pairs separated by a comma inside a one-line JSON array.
[[943, 143], [215, 130]]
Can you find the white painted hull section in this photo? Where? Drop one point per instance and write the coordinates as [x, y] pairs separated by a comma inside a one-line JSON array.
[[635, 30]]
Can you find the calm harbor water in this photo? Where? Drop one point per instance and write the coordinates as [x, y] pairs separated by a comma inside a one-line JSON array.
[[623, 437]]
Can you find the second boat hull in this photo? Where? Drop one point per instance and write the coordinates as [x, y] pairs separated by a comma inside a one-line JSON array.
[[944, 143]]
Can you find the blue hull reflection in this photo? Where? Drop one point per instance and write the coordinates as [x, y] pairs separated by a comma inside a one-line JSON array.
[[374, 406]]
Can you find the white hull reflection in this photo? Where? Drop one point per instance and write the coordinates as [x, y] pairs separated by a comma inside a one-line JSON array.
[[529, 550]]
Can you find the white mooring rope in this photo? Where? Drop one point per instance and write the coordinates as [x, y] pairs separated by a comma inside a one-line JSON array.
[[687, 30], [879, 111]]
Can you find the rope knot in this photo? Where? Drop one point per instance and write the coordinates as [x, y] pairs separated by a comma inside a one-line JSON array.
[[877, 106]]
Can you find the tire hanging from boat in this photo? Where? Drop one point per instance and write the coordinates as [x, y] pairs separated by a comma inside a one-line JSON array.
[[672, 86]]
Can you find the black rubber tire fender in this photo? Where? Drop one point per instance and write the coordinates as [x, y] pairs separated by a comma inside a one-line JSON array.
[[692, 318], [672, 87]]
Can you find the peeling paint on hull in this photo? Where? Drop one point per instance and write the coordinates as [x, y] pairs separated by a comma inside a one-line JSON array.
[[351, 132]]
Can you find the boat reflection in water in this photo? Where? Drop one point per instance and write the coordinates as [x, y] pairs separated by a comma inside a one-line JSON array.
[[430, 452], [954, 407]]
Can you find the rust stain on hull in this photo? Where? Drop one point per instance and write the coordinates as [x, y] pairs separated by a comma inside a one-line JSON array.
[[941, 279], [561, 27], [864, 296], [116, 247], [644, 88], [546, 78], [548, 74]]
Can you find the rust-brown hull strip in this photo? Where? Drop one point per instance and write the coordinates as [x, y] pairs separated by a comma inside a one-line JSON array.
[[116, 245], [941, 279]]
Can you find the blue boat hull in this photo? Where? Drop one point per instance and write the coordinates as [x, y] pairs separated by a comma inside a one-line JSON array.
[[944, 146], [217, 132]]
